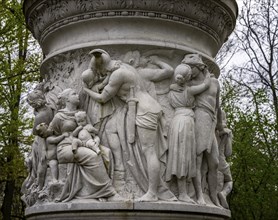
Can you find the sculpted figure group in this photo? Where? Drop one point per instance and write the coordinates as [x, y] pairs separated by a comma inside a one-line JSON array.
[[113, 141]]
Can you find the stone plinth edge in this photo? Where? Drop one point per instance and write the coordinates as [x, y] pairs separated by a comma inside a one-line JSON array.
[[126, 210]]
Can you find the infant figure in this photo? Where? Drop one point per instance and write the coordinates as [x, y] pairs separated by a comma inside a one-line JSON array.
[[85, 134]]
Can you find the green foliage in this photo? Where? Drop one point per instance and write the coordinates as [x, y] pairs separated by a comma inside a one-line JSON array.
[[19, 68], [254, 159], [249, 97]]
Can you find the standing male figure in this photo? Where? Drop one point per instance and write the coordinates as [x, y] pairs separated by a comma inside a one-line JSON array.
[[124, 82], [206, 114]]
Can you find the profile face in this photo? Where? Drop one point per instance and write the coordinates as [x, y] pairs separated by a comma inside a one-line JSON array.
[[195, 71]]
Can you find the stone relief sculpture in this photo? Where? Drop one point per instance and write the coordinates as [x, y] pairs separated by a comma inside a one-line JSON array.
[[87, 176], [101, 116], [113, 140], [145, 133], [151, 69], [125, 83], [154, 71], [224, 139], [181, 139], [51, 151], [33, 185], [206, 111], [85, 133]]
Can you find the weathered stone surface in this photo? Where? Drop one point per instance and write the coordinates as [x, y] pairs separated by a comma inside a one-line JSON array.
[[127, 119], [184, 25], [158, 210]]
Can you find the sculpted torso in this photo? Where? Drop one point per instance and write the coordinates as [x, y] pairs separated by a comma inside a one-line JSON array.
[[84, 135], [209, 95], [120, 83], [209, 98]]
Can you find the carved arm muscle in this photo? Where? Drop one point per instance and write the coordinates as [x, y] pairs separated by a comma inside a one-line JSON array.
[[109, 91]]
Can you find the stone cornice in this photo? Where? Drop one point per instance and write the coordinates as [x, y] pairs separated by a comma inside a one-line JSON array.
[[216, 17], [129, 13]]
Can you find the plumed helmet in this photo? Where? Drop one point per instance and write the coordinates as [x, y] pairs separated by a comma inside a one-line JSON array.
[[100, 60], [193, 59]]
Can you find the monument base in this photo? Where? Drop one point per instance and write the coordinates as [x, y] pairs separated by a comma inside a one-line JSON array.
[[80, 210]]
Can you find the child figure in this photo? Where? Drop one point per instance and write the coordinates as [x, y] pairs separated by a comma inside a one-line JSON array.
[[181, 162], [51, 148], [85, 133]]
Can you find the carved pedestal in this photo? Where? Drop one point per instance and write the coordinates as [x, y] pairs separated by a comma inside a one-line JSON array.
[[67, 30]]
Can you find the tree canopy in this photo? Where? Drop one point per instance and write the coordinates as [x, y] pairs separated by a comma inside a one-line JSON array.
[[249, 96], [19, 67]]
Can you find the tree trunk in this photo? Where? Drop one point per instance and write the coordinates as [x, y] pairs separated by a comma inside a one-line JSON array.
[[6, 208]]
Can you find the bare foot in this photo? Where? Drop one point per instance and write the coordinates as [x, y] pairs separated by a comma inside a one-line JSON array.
[[223, 200], [214, 200], [201, 201], [172, 199], [186, 198], [102, 199], [148, 197]]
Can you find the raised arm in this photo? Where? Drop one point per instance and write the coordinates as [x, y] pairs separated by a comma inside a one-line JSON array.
[[56, 139], [90, 128], [76, 131], [197, 89], [110, 90], [164, 71]]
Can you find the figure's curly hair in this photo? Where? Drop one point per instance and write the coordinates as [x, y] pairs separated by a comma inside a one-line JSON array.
[[132, 58], [80, 114], [63, 97], [36, 97]]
